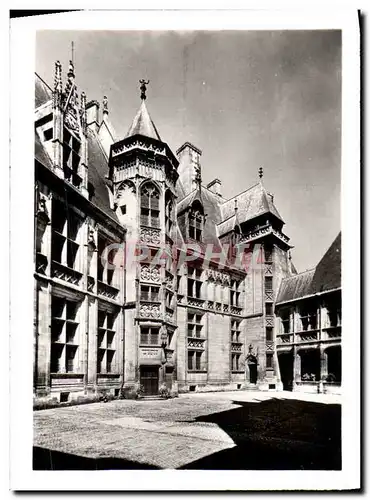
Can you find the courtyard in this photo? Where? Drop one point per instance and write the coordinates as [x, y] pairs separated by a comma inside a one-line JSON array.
[[219, 431]]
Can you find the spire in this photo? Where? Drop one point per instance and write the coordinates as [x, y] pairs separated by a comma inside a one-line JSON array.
[[142, 124]]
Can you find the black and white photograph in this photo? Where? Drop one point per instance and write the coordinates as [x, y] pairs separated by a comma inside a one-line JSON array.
[[187, 274]]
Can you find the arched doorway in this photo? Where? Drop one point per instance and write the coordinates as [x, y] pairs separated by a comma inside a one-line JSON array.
[[252, 367]]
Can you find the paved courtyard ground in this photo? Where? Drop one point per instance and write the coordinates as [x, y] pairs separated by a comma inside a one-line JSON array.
[[233, 430]]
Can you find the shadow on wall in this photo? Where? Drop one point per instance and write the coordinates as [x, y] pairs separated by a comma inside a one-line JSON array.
[[277, 434], [45, 459]]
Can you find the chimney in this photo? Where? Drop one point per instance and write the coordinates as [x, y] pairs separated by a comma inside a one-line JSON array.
[[189, 166], [215, 186], [92, 114]]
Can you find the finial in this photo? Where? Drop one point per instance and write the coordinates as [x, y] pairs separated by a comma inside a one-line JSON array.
[[143, 88], [236, 205], [57, 84], [105, 105], [260, 172], [289, 255], [71, 70], [83, 109]]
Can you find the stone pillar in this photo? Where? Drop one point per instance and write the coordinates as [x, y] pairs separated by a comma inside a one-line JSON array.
[[296, 367], [92, 353], [43, 337], [323, 367]]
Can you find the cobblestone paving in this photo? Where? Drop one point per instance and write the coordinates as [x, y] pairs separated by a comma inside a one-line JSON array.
[[184, 431]]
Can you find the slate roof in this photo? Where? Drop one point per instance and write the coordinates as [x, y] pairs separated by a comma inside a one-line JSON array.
[[142, 124], [324, 277], [98, 169], [41, 154], [43, 92], [251, 203]]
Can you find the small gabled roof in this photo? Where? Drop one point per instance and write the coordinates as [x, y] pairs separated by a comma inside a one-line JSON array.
[[142, 124]]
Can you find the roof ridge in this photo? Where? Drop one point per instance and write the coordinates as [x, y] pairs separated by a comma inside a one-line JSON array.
[[299, 274], [242, 192]]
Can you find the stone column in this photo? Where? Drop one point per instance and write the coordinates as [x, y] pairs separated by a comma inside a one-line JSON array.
[[323, 367], [296, 367], [43, 337]]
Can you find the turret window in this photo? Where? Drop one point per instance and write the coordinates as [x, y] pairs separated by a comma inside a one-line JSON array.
[[149, 206]]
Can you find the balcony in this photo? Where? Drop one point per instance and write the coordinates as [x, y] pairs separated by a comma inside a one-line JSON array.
[[333, 332], [263, 231], [107, 290], [65, 273], [209, 304]]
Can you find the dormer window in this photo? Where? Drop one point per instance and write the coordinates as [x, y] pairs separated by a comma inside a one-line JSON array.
[[71, 158], [196, 223], [149, 206]]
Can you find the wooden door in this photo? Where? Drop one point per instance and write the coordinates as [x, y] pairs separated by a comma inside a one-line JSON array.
[[149, 379]]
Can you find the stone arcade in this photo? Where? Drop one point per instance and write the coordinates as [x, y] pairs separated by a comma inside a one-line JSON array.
[[192, 321]]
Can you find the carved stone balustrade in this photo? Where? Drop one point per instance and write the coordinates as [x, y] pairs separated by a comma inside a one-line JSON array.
[[65, 273], [150, 235], [236, 346], [149, 310], [107, 290], [196, 343]]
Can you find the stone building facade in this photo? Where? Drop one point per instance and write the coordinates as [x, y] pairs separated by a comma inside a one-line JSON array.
[[143, 274], [308, 330]]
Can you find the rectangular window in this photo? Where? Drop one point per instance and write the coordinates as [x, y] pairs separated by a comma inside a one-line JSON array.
[[106, 258], [194, 282], [149, 293], [235, 362], [268, 283], [48, 134], [149, 335], [269, 333], [269, 361], [268, 254], [64, 335], [106, 341], [195, 326], [235, 331], [66, 225], [269, 309], [195, 361], [234, 293]]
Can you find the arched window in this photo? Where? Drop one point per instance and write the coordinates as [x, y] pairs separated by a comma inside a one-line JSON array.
[[149, 206], [168, 213], [196, 222]]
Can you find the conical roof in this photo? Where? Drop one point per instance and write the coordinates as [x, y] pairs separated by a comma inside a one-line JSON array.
[[142, 124]]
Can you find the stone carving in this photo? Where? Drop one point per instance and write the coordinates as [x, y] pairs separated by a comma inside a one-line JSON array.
[[192, 301], [148, 273], [150, 235], [65, 273], [269, 295], [219, 277], [236, 310], [42, 211], [269, 321], [236, 346], [196, 342], [107, 290], [149, 310]]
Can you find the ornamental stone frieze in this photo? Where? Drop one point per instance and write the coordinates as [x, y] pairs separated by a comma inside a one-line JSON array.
[[197, 343], [150, 235], [218, 277], [150, 274], [150, 311]]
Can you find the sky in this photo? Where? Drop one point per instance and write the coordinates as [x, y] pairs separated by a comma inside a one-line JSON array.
[[245, 98]]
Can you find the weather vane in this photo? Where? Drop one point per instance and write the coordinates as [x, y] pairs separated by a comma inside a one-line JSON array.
[[143, 85]]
